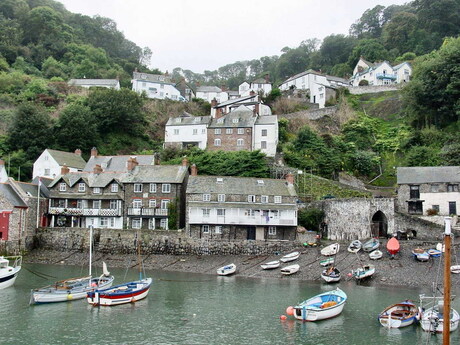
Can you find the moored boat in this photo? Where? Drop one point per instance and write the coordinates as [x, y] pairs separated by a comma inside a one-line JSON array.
[[375, 255], [432, 319], [327, 262], [355, 246], [455, 269], [371, 245], [393, 246], [290, 257], [331, 249], [420, 254], [270, 265], [400, 315], [9, 272], [123, 293], [331, 275], [323, 306], [291, 269], [363, 272], [434, 253], [226, 270]]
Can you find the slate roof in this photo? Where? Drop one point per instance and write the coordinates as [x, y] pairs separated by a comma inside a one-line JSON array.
[[30, 189], [310, 71], [400, 65], [208, 89], [70, 159], [418, 175], [260, 81], [93, 82], [336, 79], [239, 185], [154, 78], [235, 100], [267, 120], [116, 163], [244, 115], [10, 194], [187, 119]]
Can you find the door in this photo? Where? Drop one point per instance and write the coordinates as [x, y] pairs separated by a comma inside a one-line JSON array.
[[452, 207], [251, 233], [4, 225]]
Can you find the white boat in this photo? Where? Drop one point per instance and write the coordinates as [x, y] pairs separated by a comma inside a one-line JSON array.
[[455, 269], [270, 265], [73, 288], [363, 272], [323, 306], [9, 273], [331, 275], [400, 315], [420, 254], [327, 262], [432, 318], [288, 270], [290, 257], [371, 245], [355, 246], [120, 294], [331, 249], [375, 255], [226, 270]]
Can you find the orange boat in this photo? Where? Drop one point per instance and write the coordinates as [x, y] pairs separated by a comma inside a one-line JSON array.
[[393, 246]]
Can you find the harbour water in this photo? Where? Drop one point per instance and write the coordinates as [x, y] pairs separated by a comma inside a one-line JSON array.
[[203, 309]]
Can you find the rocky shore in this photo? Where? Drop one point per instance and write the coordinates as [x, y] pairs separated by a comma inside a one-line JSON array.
[[403, 270]]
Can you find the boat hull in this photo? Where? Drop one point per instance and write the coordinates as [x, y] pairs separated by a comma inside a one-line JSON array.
[[399, 315], [8, 279], [315, 309], [331, 276], [290, 257], [226, 270], [331, 249], [270, 265], [288, 270], [371, 245], [121, 294], [432, 321], [363, 272]]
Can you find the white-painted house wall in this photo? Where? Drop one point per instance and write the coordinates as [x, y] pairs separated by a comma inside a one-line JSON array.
[[187, 133], [208, 96], [46, 166], [403, 73], [157, 90], [440, 199], [270, 139]]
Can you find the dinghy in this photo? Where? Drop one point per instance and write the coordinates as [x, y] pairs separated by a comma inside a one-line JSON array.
[[355, 246], [434, 253], [455, 269], [288, 270], [323, 306], [9, 273], [393, 247], [371, 245], [331, 275], [400, 315], [420, 254], [331, 249], [327, 262], [432, 318], [440, 247], [290, 257], [270, 265], [375, 255], [226, 270], [363, 272]]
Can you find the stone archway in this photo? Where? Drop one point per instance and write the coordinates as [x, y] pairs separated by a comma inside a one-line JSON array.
[[379, 225]]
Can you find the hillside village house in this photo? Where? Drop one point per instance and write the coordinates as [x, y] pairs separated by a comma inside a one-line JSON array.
[[380, 73], [208, 93], [137, 198], [186, 131], [252, 101], [185, 90], [321, 87], [241, 129], [424, 188], [156, 86], [50, 162], [260, 86], [89, 83], [240, 208]]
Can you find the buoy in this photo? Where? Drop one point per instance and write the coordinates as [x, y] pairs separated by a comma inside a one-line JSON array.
[[69, 296], [349, 274], [290, 311], [194, 315], [93, 284], [283, 317]]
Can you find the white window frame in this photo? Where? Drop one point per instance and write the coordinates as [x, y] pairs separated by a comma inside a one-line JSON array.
[[62, 187], [114, 187], [240, 142], [221, 197], [217, 131], [137, 203], [80, 204], [240, 130], [229, 131], [103, 222], [263, 145], [205, 229], [206, 197], [151, 223], [97, 204], [136, 223], [152, 203], [97, 190], [47, 172], [195, 131], [251, 213], [166, 188], [153, 188], [251, 198], [272, 230], [264, 133], [164, 204], [176, 131], [221, 212], [264, 199], [217, 142], [113, 204], [164, 223], [82, 187], [218, 229], [137, 188], [206, 212], [277, 199]]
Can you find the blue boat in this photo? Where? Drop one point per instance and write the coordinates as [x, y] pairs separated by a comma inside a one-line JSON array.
[[400, 315]]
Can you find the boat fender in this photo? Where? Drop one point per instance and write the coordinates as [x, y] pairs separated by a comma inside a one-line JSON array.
[[69, 296]]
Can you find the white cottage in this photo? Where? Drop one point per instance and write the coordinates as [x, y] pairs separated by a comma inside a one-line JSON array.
[[208, 93], [261, 86], [187, 130], [380, 73], [50, 162], [156, 86]]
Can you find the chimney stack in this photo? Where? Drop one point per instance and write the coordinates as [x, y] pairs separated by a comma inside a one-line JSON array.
[[156, 159], [290, 178], [213, 103], [94, 152], [132, 163], [97, 169], [185, 161], [78, 152], [252, 93], [194, 170], [64, 169]]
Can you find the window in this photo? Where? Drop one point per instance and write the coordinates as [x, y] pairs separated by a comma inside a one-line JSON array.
[[166, 188], [219, 180], [176, 131], [250, 213], [264, 199], [61, 203], [217, 131], [47, 172], [276, 214], [136, 223], [103, 222], [203, 131], [221, 212], [221, 197], [152, 203], [62, 187], [153, 188], [178, 120], [264, 132], [137, 203], [434, 188], [272, 230], [415, 192], [435, 207], [229, 131], [164, 223], [277, 199], [80, 204], [205, 229], [195, 131], [206, 212], [113, 204], [240, 142], [216, 142], [218, 229], [96, 190], [206, 197], [138, 188], [81, 187], [263, 145], [114, 187], [152, 223], [236, 120], [162, 86], [164, 204], [161, 94], [221, 120], [240, 130], [251, 198], [452, 187], [112, 222], [97, 204]]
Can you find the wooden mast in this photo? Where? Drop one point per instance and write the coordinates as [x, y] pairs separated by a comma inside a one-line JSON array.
[[446, 311]]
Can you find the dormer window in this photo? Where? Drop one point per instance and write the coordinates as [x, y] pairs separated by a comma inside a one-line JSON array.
[[114, 188], [62, 187], [235, 120], [260, 182], [96, 190], [81, 187], [221, 120], [178, 120], [220, 180]]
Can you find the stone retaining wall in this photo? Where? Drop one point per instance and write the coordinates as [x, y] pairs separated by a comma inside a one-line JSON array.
[[359, 90], [314, 114]]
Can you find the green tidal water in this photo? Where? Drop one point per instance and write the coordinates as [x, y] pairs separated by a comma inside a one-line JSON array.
[[203, 309]]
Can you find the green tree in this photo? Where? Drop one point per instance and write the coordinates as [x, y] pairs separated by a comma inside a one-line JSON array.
[[310, 218], [370, 24], [370, 49], [423, 156]]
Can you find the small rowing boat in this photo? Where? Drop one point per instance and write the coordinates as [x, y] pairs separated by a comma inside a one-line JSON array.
[[288, 270], [331, 249], [226, 270], [400, 315], [270, 265], [331, 275], [371, 245], [375, 255], [327, 262], [290, 257], [393, 247], [355, 246]]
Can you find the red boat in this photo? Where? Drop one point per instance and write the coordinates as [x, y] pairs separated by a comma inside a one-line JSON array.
[[393, 246]]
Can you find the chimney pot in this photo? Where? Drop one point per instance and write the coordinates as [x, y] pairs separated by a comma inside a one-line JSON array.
[[64, 169], [78, 152], [184, 161], [97, 169], [194, 170], [94, 152], [132, 163]]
